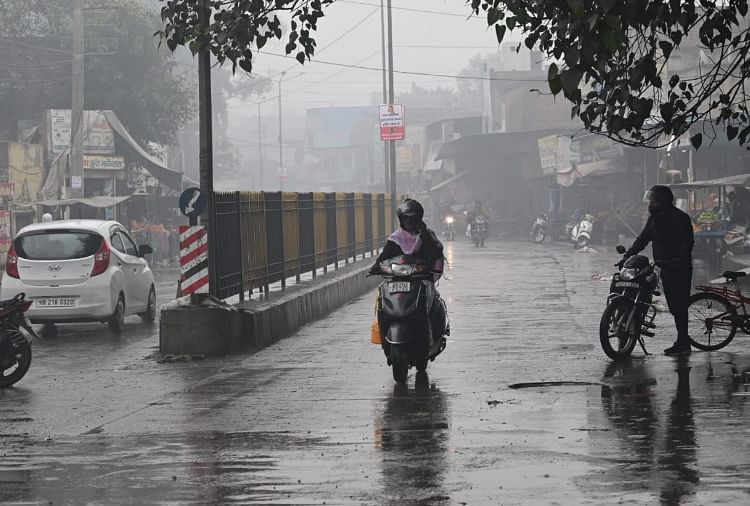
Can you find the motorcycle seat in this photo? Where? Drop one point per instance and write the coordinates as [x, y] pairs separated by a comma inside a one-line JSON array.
[[732, 275]]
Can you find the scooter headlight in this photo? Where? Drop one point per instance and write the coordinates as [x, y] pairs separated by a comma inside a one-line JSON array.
[[449, 220], [402, 270], [627, 274]]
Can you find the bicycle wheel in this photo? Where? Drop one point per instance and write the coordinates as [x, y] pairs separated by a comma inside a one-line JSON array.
[[616, 340], [711, 325]]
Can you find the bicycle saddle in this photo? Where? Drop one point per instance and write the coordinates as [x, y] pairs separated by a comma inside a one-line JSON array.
[[732, 275]]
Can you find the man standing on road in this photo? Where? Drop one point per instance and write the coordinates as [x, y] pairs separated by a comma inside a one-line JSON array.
[[670, 232]]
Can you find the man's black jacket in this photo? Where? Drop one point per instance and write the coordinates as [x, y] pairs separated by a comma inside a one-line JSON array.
[[671, 234]]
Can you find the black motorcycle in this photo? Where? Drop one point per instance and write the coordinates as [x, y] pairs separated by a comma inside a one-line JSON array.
[[630, 311], [413, 320], [15, 347]]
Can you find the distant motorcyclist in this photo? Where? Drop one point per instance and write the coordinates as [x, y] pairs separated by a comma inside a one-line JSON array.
[[477, 210], [413, 238], [670, 232]]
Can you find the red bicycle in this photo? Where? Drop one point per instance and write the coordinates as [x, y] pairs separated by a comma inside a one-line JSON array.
[[716, 313]]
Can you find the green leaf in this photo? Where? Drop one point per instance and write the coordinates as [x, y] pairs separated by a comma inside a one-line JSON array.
[[696, 140], [500, 33], [732, 132], [555, 85], [301, 57], [666, 48]]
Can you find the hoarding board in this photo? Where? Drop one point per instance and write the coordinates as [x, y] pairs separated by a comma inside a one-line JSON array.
[[392, 126]]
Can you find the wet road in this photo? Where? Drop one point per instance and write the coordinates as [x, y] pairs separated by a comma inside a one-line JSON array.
[[522, 408]]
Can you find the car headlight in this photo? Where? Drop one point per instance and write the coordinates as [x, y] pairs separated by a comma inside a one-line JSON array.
[[449, 220], [627, 274]]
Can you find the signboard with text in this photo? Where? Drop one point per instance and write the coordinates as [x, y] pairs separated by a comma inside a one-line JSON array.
[[91, 162], [392, 126], [98, 137]]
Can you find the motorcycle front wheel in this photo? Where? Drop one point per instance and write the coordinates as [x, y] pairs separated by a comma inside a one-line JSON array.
[[616, 340], [399, 362], [14, 374], [582, 242], [539, 236]]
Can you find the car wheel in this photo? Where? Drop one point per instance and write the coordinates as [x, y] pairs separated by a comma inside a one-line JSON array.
[[117, 321], [149, 316]]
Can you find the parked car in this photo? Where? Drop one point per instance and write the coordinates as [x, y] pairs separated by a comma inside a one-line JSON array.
[[80, 271]]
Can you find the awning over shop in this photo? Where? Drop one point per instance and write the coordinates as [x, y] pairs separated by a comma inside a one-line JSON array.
[[98, 202], [166, 176], [738, 180], [450, 180], [506, 143]]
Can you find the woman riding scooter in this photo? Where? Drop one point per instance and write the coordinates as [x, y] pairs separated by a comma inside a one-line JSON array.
[[413, 238]]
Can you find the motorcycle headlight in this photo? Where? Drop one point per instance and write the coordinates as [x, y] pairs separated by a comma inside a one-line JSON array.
[[627, 274], [449, 220], [402, 270]]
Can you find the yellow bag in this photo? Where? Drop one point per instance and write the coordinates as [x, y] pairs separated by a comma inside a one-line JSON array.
[[375, 332], [375, 326]]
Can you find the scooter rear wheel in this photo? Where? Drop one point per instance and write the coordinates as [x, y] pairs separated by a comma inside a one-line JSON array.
[[399, 362]]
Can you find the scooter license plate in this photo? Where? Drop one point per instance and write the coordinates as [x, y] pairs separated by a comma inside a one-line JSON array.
[[626, 284], [399, 287]]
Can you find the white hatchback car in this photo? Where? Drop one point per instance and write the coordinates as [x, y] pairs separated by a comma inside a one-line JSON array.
[[80, 271]]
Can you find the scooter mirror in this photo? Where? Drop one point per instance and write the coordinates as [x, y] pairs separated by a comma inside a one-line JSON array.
[[621, 249]]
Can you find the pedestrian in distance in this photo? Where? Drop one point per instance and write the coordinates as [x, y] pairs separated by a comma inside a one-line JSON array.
[[670, 232]]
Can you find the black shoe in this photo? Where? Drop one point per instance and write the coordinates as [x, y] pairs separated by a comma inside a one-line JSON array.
[[678, 349]]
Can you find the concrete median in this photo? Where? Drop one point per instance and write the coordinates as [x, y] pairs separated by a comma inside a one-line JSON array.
[[255, 324]]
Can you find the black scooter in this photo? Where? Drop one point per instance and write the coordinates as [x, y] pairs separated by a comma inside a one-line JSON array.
[[413, 320], [15, 347]]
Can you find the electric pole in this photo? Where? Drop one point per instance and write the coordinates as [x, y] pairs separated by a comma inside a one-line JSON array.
[[206, 150], [282, 174], [386, 155], [260, 148], [391, 100], [75, 189]]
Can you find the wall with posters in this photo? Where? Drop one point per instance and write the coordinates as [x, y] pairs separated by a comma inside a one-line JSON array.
[[21, 172], [98, 137]]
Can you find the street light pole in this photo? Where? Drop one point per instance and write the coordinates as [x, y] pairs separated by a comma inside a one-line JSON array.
[[281, 138], [206, 151], [77, 105], [387, 176], [392, 99], [260, 148]]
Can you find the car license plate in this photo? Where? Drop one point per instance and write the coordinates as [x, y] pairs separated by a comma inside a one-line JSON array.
[[399, 287], [55, 302], [627, 284]]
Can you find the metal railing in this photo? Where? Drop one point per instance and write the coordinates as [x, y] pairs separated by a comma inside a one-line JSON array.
[[269, 237]]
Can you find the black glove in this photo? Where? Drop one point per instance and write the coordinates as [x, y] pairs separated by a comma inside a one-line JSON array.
[[621, 263], [374, 270]]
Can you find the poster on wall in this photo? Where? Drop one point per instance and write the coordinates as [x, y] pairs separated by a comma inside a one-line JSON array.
[[5, 234], [98, 137]]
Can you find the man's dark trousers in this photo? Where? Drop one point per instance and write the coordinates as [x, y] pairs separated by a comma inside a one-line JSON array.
[[677, 282]]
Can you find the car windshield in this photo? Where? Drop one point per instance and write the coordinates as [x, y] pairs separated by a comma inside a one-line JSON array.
[[57, 245]]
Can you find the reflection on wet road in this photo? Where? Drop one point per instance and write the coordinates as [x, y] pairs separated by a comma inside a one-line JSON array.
[[317, 419]]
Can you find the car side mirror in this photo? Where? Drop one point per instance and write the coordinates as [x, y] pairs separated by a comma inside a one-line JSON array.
[[621, 249], [145, 249]]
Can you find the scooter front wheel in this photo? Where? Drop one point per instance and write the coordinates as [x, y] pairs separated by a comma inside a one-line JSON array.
[[399, 362]]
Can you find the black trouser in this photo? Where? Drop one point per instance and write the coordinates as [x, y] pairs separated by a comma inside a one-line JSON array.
[[677, 282]]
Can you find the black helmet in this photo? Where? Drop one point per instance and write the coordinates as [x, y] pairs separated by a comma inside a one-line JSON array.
[[660, 194], [409, 208]]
